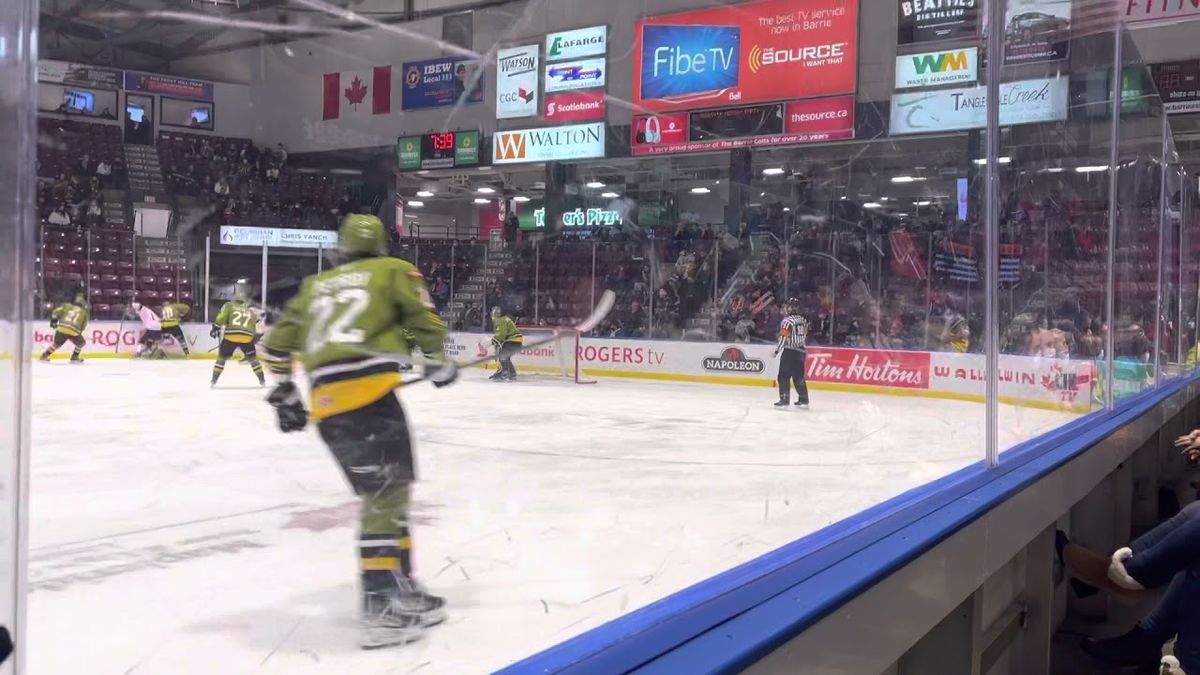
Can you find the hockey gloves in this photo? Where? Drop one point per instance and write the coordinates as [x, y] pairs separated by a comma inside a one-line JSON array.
[[214, 332], [441, 374], [285, 398], [53, 322]]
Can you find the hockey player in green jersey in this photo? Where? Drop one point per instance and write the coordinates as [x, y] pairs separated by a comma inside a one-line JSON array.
[[351, 327], [508, 341], [172, 314], [68, 321], [239, 322]]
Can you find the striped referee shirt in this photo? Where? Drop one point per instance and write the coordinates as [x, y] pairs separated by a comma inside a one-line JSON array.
[[793, 333]]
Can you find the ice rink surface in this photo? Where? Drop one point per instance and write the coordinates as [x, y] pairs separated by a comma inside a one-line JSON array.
[[176, 531]]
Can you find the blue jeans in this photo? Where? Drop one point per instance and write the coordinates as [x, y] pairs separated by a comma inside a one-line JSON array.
[[1170, 553]]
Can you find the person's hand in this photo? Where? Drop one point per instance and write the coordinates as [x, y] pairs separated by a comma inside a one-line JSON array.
[[1193, 454], [1187, 439], [285, 398], [214, 332]]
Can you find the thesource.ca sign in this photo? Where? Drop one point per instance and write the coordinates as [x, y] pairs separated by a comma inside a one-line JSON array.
[[575, 141]]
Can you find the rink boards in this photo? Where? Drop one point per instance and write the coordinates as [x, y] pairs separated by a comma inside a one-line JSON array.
[[1060, 384]]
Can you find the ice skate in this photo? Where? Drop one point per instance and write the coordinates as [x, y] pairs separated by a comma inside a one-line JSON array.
[[396, 618], [802, 404], [498, 375], [782, 403], [76, 359], [45, 358]]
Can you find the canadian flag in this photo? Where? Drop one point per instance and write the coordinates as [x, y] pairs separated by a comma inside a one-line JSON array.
[[357, 92]]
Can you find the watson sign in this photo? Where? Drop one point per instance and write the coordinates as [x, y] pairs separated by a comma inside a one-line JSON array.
[[930, 69], [1021, 102], [517, 82], [575, 141], [746, 53]]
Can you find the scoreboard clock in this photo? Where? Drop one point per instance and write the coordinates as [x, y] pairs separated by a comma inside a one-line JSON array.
[[438, 150]]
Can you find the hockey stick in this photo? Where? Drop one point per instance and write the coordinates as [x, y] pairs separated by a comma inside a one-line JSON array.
[[599, 312]]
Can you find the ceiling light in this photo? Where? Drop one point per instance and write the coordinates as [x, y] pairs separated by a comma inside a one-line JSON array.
[[424, 193], [609, 195], [773, 171], [422, 172], [484, 168], [1090, 169], [999, 160], [716, 182], [884, 199], [923, 202], [481, 200], [595, 184], [1053, 169], [872, 205], [485, 190], [842, 198], [786, 209], [906, 179], [762, 194], [520, 199], [902, 215], [415, 203], [700, 191]]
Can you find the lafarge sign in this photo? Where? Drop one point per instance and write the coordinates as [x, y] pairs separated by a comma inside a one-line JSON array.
[[574, 44], [1021, 102], [575, 141]]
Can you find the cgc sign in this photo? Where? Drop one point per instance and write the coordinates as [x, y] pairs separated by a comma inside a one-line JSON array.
[[746, 53], [517, 82], [933, 68], [575, 44]]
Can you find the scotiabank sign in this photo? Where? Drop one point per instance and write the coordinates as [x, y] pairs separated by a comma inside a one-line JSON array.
[[574, 106], [746, 53]]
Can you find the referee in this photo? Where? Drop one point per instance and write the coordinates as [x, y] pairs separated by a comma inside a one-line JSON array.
[[793, 336]]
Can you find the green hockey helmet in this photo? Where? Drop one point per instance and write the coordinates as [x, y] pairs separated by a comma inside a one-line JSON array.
[[362, 235]]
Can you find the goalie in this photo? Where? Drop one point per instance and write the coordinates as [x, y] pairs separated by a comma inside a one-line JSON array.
[[508, 341]]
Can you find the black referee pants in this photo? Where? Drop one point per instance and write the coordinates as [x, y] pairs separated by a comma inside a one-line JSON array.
[[791, 372]]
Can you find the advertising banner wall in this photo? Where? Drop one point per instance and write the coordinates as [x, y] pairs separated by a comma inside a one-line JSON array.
[[517, 82], [933, 20], [1021, 102], [930, 69], [746, 53], [571, 75], [574, 44], [436, 83], [1024, 380], [171, 85], [63, 72], [573, 141], [1036, 30]]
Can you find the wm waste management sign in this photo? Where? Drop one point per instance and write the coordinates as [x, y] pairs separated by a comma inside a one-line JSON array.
[[236, 235], [930, 69], [575, 141]]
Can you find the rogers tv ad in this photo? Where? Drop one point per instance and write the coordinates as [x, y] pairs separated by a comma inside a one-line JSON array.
[[747, 53]]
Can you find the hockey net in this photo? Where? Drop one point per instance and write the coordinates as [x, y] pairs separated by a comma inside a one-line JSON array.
[[556, 359]]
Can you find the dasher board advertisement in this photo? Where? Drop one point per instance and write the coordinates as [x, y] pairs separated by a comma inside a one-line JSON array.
[[574, 141], [1021, 102], [517, 76], [746, 53], [930, 69], [934, 20]]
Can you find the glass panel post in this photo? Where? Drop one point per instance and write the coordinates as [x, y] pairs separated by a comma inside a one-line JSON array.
[[537, 281], [264, 276], [1114, 142], [207, 274], [320, 256], [592, 286], [1164, 167], [991, 323], [88, 269]]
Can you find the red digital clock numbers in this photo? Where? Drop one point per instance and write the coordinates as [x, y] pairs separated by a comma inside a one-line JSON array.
[[443, 141]]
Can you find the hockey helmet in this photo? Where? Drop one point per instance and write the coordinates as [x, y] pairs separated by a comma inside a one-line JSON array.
[[791, 305], [241, 290], [496, 312], [362, 235]]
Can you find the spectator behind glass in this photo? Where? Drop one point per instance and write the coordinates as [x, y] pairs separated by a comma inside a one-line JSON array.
[[59, 216]]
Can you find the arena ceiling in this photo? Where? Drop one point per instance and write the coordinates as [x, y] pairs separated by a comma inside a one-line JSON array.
[[148, 34]]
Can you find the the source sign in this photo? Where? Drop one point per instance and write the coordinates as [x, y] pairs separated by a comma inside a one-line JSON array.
[[1021, 102], [575, 141], [746, 53], [517, 82], [574, 106], [571, 75], [236, 235], [574, 44], [930, 69]]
